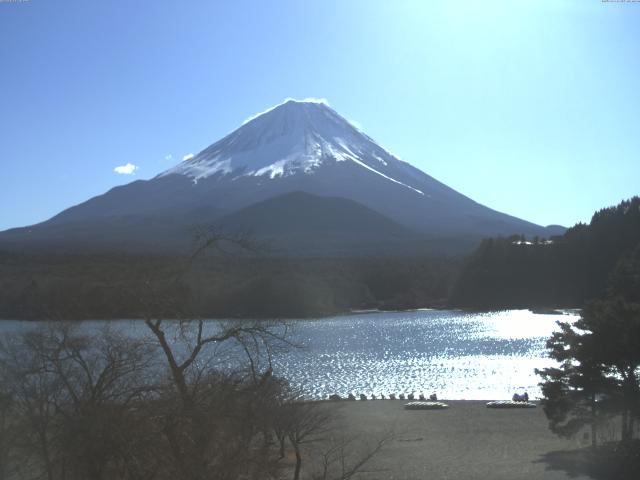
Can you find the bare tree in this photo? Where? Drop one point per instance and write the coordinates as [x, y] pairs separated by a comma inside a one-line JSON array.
[[344, 457], [193, 399], [315, 428], [34, 394], [73, 397], [6, 440], [214, 414]]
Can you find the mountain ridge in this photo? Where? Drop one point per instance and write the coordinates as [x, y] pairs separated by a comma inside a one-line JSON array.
[[288, 221], [297, 146]]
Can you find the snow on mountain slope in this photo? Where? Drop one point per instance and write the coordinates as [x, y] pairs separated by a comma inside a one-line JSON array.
[[297, 146], [291, 138]]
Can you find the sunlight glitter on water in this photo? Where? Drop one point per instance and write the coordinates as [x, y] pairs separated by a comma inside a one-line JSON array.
[[457, 355]]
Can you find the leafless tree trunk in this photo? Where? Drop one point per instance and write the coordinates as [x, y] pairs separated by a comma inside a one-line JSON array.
[[306, 422], [107, 406], [342, 459], [72, 397], [5, 435]]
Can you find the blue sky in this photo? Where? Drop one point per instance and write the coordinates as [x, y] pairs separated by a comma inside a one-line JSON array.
[[531, 107]]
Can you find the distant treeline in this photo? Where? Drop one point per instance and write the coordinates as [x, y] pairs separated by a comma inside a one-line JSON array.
[[511, 272], [80, 286], [563, 271]]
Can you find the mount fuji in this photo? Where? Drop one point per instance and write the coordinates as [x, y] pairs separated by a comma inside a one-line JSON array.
[[299, 175]]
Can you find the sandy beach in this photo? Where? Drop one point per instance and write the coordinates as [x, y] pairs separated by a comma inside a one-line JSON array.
[[465, 441]]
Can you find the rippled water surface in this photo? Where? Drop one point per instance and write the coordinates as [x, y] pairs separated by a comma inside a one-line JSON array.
[[457, 355]]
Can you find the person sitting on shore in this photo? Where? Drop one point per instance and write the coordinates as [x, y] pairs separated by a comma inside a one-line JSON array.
[[520, 398]]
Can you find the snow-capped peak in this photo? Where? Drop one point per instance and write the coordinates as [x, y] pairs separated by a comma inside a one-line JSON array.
[[322, 101], [294, 137]]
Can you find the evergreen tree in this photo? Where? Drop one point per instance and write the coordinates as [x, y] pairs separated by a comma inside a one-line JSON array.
[[599, 359], [572, 391], [566, 272]]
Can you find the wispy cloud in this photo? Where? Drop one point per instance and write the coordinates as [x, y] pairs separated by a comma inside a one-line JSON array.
[[188, 156], [356, 124], [324, 101], [168, 157], [127, 169]]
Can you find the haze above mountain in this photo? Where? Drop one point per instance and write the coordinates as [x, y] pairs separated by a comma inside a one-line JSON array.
[[299, 175]]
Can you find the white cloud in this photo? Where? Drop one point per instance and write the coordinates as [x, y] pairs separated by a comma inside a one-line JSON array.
[[356, 124], [390, 152], [188, 156], [323, 101], [168, 157], [127, 169]]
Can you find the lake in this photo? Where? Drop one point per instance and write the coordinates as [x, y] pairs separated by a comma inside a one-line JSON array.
[[457, 355]]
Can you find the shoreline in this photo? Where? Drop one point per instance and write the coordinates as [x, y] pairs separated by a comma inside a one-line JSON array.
[[539, 311]]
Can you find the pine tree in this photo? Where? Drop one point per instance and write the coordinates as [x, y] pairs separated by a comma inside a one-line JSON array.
[[599, 359]]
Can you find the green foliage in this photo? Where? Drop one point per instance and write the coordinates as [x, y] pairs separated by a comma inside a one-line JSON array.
[[564, 271], [571, 391], [599, 355]]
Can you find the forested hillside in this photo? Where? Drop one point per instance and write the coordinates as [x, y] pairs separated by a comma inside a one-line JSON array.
[[562, 271], [78, 286], [503, 272]]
